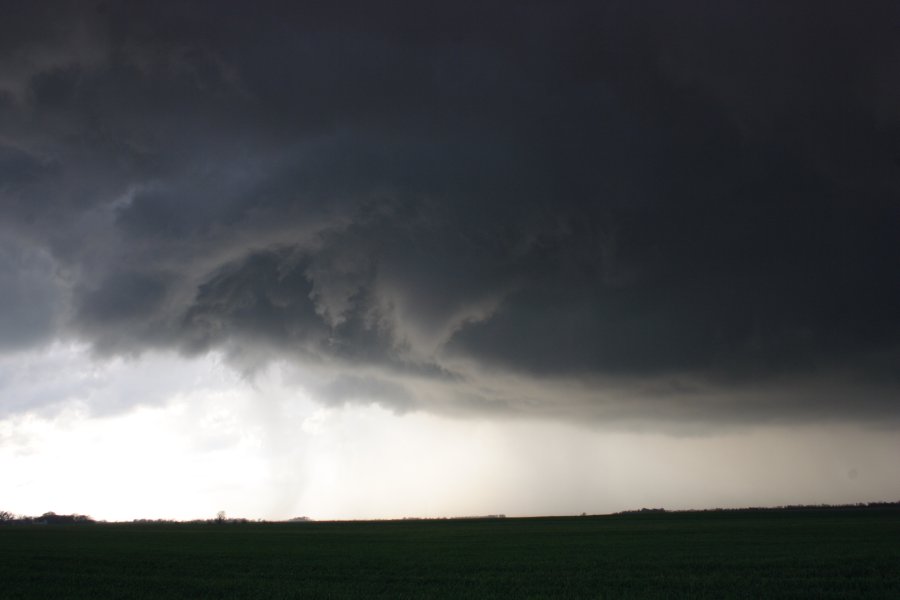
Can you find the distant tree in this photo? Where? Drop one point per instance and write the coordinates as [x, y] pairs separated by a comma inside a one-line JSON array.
[[6, 516], [51, 518], [220, 517]]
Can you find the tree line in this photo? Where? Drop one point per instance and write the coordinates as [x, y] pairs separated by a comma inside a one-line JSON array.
[[48, 518]]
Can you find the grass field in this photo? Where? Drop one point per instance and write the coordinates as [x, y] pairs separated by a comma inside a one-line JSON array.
[[771, 554]]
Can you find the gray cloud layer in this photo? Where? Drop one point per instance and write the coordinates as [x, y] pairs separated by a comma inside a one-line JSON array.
[[615, 210]]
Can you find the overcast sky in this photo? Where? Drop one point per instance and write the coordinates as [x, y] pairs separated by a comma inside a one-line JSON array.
[[431, 259]]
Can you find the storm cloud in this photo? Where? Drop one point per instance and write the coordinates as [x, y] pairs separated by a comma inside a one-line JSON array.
[[620, 211]]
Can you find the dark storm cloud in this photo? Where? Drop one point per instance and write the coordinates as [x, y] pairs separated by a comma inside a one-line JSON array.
[[31, 298], [665, 211]]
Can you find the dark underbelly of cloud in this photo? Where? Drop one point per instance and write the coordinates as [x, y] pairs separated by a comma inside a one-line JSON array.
[[586, 210]]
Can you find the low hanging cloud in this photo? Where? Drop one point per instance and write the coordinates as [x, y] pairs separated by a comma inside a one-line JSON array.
[[629, 213]]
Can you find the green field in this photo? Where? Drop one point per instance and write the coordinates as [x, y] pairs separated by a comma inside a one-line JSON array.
[[771, 554]]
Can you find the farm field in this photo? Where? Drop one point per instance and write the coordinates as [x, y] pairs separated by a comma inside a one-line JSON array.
[[755, 554]]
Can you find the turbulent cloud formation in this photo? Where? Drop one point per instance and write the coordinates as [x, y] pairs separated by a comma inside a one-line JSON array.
[[621, 211]]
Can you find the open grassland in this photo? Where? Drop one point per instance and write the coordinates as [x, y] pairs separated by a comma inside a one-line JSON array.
[[770, 554]]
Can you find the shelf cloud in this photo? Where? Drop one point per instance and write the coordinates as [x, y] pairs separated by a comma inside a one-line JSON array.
[[618, 212]]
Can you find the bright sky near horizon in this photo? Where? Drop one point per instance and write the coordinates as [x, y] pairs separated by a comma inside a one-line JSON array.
[[196, 438]]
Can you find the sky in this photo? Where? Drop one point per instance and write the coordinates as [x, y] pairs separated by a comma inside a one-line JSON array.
[[376, 260]]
